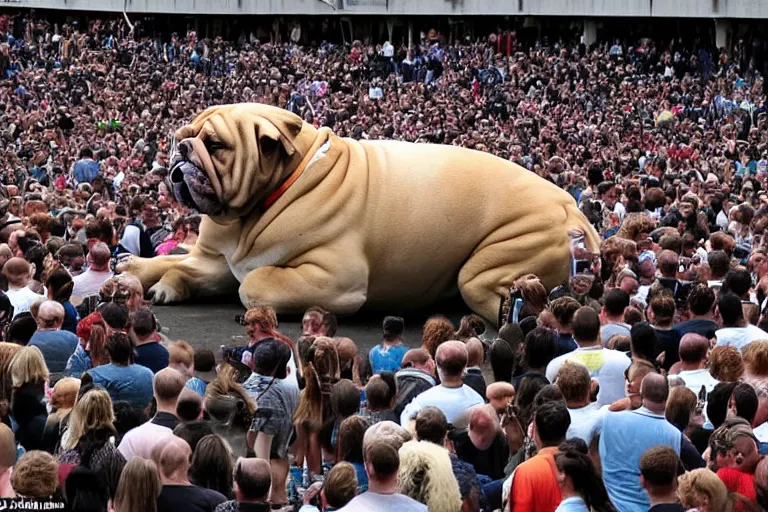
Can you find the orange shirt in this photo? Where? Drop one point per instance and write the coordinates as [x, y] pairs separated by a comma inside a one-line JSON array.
[[534, 486]]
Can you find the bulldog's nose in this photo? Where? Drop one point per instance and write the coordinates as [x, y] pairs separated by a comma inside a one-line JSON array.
[[177, 175]]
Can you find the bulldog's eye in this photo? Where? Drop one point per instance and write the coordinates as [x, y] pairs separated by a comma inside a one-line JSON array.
[[267, 145], [212, 146]]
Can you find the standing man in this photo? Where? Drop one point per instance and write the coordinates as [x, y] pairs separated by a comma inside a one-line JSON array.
[[382, 460], [627, 435], [605, 365], [535, 487], [452, 396], [56, 344], [388, 355], [89, 282], [86, 169]]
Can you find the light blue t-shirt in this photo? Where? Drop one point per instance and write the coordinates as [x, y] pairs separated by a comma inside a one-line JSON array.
[[57, 347], [132, 383], [385, 359], [625, 437], [572, 504]]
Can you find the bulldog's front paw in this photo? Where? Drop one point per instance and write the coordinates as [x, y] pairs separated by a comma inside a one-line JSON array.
[[163, 293], [128, 264]]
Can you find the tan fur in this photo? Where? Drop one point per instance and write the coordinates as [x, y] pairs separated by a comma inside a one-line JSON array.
[[381, 223]]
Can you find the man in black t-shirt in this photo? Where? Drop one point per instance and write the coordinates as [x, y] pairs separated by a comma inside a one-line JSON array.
[[659, 468], [177, 492]]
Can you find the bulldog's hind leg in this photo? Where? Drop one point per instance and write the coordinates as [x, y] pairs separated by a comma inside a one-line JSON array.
[[491, 270], [336, 286]]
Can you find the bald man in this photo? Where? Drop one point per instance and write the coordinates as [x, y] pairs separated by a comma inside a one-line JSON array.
[[693, 364], [167, 385], [484, 445], [177, 492], [627, 435], [452, 396], [56, 344], [252, 482], [416, 376], [89, 282]]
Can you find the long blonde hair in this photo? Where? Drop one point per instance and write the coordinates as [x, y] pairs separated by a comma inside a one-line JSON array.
[[320, 373], [225, 384], [139, 487], [425, 475], [92, 412], [28, 366], [7, 351]]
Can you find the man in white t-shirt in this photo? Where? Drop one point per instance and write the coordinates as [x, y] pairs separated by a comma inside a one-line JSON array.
[[736, 331], [452, 396], [90, 281], [17, 271], [575, 384], [606, 365], [693, 364]]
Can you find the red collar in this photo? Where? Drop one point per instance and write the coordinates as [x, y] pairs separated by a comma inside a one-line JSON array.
[[277, 194]]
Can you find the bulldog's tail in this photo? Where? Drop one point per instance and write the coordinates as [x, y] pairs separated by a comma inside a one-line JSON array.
[[578, 225]]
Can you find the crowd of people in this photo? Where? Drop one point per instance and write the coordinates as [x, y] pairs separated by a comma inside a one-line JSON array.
[[640, 384]]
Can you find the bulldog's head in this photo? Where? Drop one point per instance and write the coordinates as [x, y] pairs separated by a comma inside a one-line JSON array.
[[233, 156]]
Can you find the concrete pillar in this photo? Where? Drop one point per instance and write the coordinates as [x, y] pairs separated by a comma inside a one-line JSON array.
[[722, 33], [410, 39], [590, 31]]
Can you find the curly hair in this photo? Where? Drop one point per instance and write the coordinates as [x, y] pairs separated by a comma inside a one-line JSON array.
[[437, 330], [36, 475], [563, 309], [470, 326], [726, 364], [534, 295], [634, 226]]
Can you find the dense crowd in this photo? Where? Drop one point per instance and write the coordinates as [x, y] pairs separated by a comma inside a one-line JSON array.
[[639, 384]]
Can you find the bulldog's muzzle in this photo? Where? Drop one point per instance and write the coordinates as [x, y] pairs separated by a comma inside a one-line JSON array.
[[190, 184]]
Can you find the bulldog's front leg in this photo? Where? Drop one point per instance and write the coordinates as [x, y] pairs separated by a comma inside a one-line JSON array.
[[340, 289], [197, 275]]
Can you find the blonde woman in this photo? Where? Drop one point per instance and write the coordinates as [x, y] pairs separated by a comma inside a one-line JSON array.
[[91, 440], [139, 487], [29, 379], [7, 351], [62, 401], [702, 490], [426, 475]]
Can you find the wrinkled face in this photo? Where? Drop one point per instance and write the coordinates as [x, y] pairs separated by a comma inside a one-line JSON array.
[[232, 156]]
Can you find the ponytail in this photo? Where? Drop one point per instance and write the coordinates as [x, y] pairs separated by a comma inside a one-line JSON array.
[[97, 343], [573, 460]]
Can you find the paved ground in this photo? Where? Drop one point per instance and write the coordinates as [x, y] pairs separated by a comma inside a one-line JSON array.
[[212, 324]]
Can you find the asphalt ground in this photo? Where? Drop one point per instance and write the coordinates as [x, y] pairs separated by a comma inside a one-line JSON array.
[[211, 323]]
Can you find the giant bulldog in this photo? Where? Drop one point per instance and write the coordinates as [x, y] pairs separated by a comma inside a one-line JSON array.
[[297, 216]]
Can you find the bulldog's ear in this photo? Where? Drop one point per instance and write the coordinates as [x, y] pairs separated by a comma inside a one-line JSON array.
[[278, 132]]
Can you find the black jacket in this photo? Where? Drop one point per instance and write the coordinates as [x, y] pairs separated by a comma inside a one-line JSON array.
[[410, 382]]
